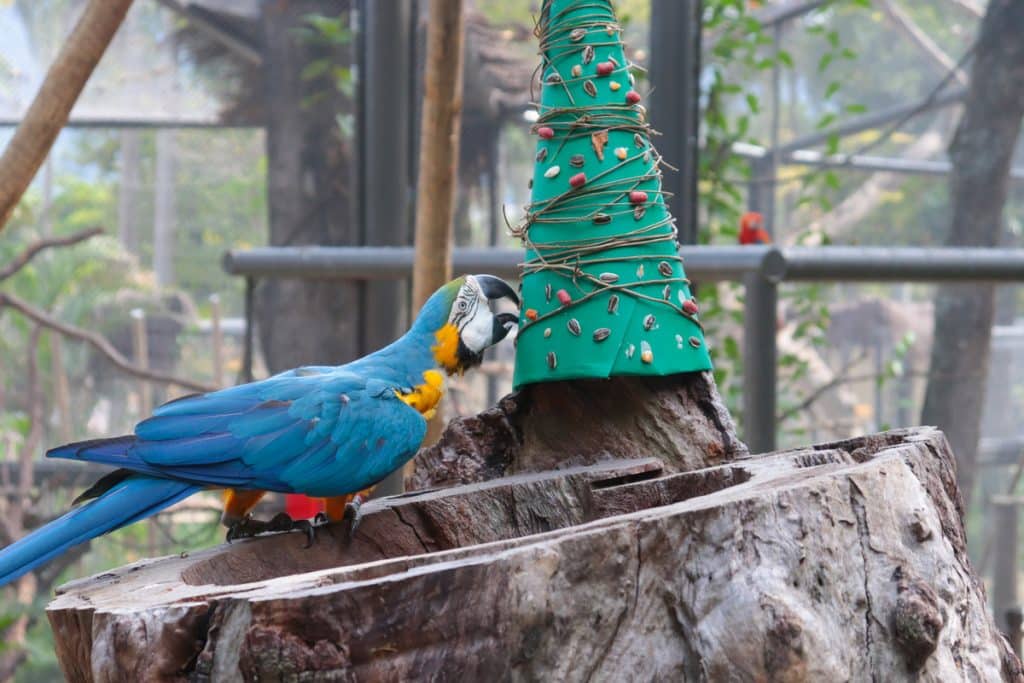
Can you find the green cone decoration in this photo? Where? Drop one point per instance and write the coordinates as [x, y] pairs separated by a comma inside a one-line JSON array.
[[603, 290]]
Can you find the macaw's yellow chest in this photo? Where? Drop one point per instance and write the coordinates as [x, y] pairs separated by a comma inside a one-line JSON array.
[[425, 397]]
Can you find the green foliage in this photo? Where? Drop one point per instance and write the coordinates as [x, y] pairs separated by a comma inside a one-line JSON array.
[[220, 206], [743, 60], [329, 75]]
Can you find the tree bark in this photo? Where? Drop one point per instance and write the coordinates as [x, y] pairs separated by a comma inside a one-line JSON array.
[[52, 104], [846, 561], [680, 419], [309, 190], [981, 152]]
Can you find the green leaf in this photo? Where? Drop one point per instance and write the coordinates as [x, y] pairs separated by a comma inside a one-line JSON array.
[[753, 103], [832, 144], [731, 347], [315, 69]]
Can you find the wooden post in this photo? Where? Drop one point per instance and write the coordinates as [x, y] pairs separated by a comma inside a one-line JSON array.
[[1014, 620], [217, 340], [140, 351], [52, 104], [1004, 570], [439, 156], [61, 394], [439, 150]]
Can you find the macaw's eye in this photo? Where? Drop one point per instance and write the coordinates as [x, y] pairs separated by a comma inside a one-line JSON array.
[[462, 305]]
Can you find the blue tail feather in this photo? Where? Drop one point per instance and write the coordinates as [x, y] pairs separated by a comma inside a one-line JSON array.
[[129, 501], [115, 446]]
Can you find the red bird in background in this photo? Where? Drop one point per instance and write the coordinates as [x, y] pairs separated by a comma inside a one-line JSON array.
[[752, 229], [752, 232]]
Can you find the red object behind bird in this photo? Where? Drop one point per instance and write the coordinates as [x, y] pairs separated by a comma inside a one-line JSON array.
[[752, 229]]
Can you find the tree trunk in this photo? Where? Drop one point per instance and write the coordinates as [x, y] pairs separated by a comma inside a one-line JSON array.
[[52, 104], [981, 153], [680, 419], [309, 190], [129, 191], [848, 563], [165, 214]]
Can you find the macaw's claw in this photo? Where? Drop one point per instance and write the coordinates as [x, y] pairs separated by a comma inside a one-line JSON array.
[[353, 514], [244, 528], [280, 523]]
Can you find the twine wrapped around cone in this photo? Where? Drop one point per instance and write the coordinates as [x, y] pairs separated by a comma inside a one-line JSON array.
[[604, 292]]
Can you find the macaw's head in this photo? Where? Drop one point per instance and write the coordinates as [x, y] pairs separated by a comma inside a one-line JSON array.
[[463, 324]]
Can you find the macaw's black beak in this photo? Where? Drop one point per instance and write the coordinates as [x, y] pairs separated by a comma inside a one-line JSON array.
[[496, 288], [503, 324]]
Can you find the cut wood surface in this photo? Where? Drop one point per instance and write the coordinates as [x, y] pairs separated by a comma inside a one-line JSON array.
[[845, 561]]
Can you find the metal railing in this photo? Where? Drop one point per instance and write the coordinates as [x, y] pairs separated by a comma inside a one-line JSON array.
[[760, 268]]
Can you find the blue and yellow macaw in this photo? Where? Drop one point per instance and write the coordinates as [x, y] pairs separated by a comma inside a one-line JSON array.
[[323, 431]]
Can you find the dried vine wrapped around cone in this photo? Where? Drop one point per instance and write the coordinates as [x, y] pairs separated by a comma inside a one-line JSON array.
[[604, 289]]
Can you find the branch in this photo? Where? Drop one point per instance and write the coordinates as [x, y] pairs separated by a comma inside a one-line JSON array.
[[52, 104], [99, 342], [22, 259], [48, 574], [839, 378], [11, 661], [848, 213], [972, 6], [923, 40]]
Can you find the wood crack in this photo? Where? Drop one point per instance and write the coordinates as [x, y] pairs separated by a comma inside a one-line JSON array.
[[626, 610], [413, 527], [863, 536]]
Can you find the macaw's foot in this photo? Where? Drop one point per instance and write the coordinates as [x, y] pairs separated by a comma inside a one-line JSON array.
[[281, 522]]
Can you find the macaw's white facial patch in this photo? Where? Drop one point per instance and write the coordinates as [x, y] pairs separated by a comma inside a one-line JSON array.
[[472, 317]]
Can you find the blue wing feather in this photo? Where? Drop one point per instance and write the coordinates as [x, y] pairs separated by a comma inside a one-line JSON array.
[[320, 433]]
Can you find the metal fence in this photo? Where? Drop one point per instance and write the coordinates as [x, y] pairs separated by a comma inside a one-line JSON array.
[[760, 268]]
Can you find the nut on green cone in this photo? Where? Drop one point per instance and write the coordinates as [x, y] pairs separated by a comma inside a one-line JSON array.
[[604, 292]]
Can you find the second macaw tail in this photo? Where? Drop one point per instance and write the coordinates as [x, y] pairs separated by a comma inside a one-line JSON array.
[[128, 500]]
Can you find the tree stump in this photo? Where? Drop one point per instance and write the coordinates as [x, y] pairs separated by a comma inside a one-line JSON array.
[[844, 561], [679, 419]]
